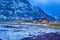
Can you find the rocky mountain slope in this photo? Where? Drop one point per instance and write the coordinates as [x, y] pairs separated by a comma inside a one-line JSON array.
[[20, 10]]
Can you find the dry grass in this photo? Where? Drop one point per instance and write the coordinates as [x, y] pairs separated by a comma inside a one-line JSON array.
[[51, 25], [54, 25]]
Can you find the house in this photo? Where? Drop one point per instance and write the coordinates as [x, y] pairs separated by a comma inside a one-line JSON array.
[[44, 20], [36, 20]]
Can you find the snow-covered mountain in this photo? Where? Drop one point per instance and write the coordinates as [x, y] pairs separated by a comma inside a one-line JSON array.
[[19, 10]]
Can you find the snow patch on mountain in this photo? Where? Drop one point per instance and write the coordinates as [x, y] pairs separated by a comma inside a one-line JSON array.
[[21, 10]]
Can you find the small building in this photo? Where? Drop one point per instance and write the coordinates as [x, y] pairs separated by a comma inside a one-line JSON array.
[[28, 20], [44, 20], [36, 20]]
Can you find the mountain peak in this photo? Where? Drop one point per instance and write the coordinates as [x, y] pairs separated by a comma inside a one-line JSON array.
[[25, 1]]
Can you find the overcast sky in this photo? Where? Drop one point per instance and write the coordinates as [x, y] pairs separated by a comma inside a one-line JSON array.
[[51, 7]]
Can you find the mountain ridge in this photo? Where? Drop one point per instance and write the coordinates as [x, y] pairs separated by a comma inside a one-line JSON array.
[[20, 10]]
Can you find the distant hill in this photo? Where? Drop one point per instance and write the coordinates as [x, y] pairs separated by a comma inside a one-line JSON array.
[[20, 10]]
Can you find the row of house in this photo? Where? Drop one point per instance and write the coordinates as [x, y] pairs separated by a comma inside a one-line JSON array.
[[42, 20]]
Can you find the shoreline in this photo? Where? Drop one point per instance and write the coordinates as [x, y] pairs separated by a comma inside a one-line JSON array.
[[48, 25]]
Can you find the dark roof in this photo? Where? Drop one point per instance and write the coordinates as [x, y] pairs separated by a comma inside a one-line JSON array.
[[44, 18]]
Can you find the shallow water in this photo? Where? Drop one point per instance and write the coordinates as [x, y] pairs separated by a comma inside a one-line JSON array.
[[17, 32]]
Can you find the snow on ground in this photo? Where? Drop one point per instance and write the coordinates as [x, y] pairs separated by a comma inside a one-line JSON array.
[[17, 32]]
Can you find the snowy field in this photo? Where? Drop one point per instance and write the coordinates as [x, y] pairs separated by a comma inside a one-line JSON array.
[[17, 32]]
